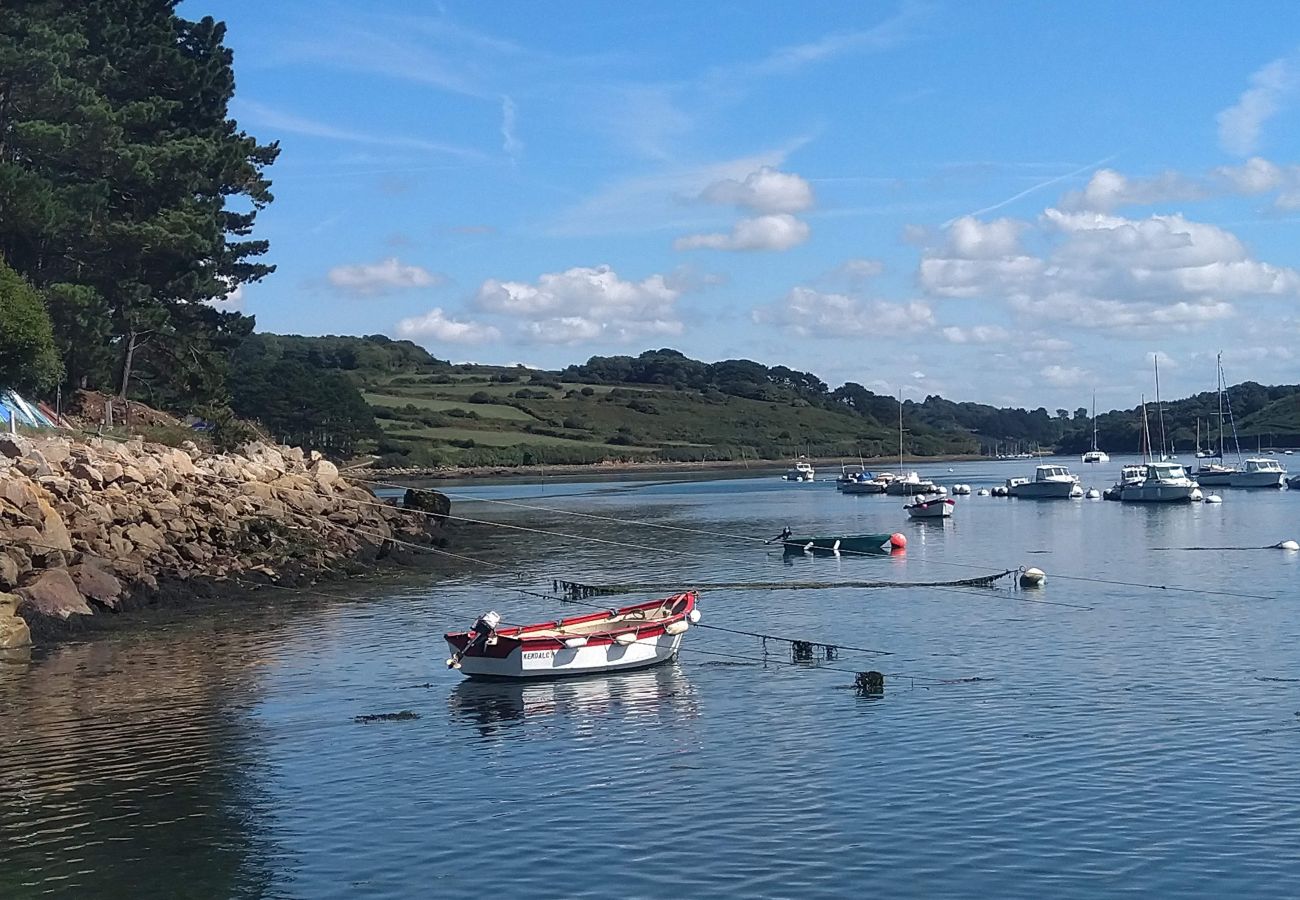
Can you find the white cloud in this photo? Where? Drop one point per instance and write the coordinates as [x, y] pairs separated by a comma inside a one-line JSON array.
[[383, 277], [277, 120], [510, 142], [775, 232], [1108, 190], [976, 334], [1240, 124], [583, 304], [859, 269], [763, 191], [1105, 271], [1064, 376], [811, 313], [232, 302], [969, 238], [435, 324]]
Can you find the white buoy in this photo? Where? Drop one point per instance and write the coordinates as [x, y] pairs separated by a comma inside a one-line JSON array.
[[694, 616], [984, 492], [1032, 578], [1093, 494], [676, 628], [1213, 498], [1196, 495], [1288, 545], [627, 638]]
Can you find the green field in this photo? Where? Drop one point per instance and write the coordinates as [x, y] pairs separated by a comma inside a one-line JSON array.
[[485, 410]]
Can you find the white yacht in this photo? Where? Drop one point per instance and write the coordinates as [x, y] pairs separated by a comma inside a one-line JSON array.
[[1049, 481], [1095, 455], [1259, 471], [1162, 482], [910, 484], [800, 471]]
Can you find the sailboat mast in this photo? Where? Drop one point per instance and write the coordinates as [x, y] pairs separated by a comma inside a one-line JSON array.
[[1218, 361], [900, 432], [1160, 410], [1094, 420], [1146, 432]]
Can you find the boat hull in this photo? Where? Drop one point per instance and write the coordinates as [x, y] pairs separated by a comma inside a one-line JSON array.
[[557, 662], [1158, 493], [856, 543], [1096, 456], [911, 488], [1044, 490], [862, 487], [933, 509], [1215, 478], [1257, 480]]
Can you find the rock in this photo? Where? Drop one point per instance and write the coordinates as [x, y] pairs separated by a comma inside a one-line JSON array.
[[54, 533], [432, 502], [18, 492], [13, 446], [111, 471], [96, 584], [8, 572], [86, 472], [324, 472], [54, 594], [14, 633], [9, 604]]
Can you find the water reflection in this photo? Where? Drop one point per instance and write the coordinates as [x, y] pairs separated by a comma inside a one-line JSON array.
[[494, 707], [120, 762]]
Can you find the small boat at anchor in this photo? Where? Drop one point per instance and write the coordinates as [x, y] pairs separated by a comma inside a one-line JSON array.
[[633, 637], [1049, 481], [931, 508], [833, 545], [800, 471]]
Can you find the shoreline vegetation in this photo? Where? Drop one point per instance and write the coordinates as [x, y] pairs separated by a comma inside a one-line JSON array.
[[825, 466]]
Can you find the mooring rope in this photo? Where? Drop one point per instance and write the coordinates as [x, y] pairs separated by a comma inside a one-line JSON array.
[[755, 539]]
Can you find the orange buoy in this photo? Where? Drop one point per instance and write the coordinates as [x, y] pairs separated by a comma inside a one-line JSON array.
[[898, 540]]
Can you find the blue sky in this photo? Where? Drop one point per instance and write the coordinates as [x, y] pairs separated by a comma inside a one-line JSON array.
[[1011, 203]]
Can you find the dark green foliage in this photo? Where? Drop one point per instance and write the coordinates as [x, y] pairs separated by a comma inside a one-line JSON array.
[[362, 356], [128, 195], [301, 404], [28, 358]]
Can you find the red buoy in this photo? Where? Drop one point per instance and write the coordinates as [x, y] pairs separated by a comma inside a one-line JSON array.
[[898, 540]]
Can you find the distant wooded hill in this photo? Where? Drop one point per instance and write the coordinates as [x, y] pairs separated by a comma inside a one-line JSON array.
[[359, 393]]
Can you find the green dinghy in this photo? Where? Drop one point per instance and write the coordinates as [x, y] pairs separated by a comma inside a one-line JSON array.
[[880, 544]]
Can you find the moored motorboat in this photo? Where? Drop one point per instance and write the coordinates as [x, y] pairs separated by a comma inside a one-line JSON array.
[[800, 471], [1049, 481], [850, 473], [1128, 476], [868, 484], [910, 484], [1259, 472], [1293, 482], [633, 637], [931, 508], [1163, 482]]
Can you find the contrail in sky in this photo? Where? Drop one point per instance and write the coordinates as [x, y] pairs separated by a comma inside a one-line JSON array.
[[1038, 187]]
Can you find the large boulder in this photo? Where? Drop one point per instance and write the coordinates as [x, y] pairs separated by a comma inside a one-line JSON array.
[[14, 632], [13, 446], [96, 584], [437, 505], [55, 594], [9, 572]]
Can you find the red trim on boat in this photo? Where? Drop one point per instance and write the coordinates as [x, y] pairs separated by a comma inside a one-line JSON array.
[[510, 639]]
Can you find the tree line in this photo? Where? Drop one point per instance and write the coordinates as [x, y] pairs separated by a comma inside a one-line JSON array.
[[128, 198]]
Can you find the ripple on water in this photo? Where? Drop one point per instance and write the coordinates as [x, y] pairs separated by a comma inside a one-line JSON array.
[[1143, 746]]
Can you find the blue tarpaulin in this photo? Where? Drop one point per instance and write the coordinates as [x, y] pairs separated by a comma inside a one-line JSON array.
[[15, 408]]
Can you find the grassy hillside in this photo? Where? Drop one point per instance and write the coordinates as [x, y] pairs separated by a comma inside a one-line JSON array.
[[485, 415], [412, 409]]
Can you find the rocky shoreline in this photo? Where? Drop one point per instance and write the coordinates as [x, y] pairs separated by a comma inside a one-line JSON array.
[[92, 528]]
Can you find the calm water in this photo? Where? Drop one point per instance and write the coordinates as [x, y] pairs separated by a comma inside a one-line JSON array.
[[1146, 745]]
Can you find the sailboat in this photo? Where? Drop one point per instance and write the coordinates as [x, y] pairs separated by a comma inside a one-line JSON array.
[[907, 484], [1095, 455], [1160, 410], [1162, 482], [1217, 474]]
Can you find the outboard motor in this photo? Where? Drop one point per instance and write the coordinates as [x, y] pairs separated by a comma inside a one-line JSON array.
[[484, 630]]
